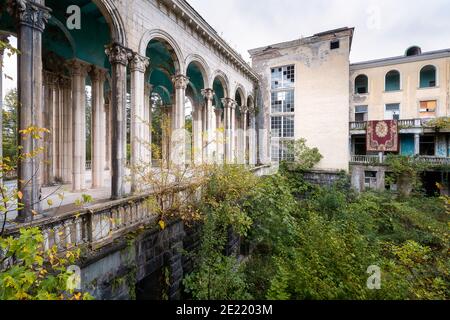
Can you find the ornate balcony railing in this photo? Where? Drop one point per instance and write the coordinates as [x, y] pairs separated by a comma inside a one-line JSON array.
[[360, 125], [366, 159], [402, 124]]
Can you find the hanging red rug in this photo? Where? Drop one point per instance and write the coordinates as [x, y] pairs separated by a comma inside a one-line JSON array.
[[382, 136]]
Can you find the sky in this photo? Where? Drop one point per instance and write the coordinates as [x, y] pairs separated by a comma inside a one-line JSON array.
[[383, 28]]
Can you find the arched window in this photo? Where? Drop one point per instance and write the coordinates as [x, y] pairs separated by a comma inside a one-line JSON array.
[[428, 77], [392, 81], [361, 84]]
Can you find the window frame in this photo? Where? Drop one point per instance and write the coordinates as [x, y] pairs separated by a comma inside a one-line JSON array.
[[399, 110]]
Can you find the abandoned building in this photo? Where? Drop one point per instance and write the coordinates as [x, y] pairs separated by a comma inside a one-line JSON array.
[[132, 62], [309, 89]]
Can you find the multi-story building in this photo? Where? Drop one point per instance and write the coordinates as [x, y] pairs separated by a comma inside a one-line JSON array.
[[310, 90], [305, 95]]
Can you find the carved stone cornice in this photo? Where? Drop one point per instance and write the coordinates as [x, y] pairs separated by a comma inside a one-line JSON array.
[[208, 94], [118, 54], [29, 13], [180, 82], [98, 74], [229, 103], [78, 68], [139, 63]]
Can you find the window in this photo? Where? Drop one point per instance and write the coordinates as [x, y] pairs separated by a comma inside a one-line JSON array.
[[283, 101], [283, 77], [360, 146], [361, 84], [428, 77], [335, 44], [281, 151], [282, 112], [361, 113], [427, 146], [392, 111], [370, 179], [428, 109], [282, 127], [392, 82]]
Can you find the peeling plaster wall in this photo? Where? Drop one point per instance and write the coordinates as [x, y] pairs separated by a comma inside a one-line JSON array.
[[321, 97]]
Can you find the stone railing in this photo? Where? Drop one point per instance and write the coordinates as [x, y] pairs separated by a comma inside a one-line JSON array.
[[376, 160], [358, 125], [408, 123], [265, 170], [366, 159]]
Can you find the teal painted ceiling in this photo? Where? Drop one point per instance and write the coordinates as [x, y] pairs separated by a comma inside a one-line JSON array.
[[219, 92], [87, 44]]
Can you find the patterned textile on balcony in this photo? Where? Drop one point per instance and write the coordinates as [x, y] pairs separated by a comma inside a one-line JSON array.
[[382, 136]]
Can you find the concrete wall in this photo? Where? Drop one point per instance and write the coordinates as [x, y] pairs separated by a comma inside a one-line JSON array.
[[410, 93], [321, 96]]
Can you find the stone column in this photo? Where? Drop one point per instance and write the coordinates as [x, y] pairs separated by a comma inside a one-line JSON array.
[[138, 65], [32, 17], [178, 145], [233, 134], [108, 130], [229, 107], [79, 71], [98, 136], [66, 87], [219, 136], [209, 125], [56, 129], [417, 144], [148, 124], [118, 56], [3, 38], [48, 123], [197, 131], [252, 149], [243, 136]]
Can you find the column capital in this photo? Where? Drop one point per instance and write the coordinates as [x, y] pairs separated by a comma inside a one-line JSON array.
[[29, 13], [208, 94], [118, 54], [180, 81], [98, 74], [78, 68], [50, 79], [244, 109], [138, 63], [65, 83], [228, 103]]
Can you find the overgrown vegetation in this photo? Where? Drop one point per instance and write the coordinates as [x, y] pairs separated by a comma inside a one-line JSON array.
[[309, 242]]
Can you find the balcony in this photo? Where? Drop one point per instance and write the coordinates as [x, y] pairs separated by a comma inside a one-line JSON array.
[[377, 160], [405, 126]]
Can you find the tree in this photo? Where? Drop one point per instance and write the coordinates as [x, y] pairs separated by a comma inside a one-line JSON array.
[[10, 129]]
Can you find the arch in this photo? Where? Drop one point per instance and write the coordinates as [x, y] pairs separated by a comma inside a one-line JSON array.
[[392, 81], [202, 65], [250, 101], [222, 77], [114, 20], [361, 84], [158, 34], [241, 92], [428, 76], [413, 51]]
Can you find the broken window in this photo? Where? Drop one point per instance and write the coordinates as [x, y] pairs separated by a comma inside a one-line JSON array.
[[392, 81], [335, 44], [392, 111], [361, 113], [427, 145], [283, 101], [428, 77], [361, 84], [283, 77], [370, 179], [428, 109], [282, 127]]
